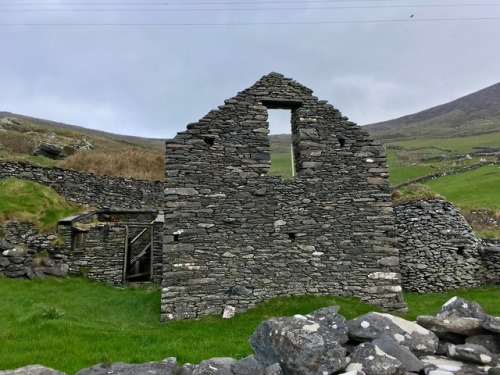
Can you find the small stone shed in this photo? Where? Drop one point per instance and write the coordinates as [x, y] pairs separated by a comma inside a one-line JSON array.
[[439, 250], [116, 246], [236, 235]]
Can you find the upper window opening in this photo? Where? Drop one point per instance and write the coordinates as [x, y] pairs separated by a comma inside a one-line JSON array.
[[280, 138]]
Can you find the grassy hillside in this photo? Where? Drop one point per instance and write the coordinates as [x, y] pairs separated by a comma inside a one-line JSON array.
[[111, 154], [69, 324], [32, 202], [474, 189], [62, 127]]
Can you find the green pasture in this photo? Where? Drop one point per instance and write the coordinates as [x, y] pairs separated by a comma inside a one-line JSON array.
[[478, 188]]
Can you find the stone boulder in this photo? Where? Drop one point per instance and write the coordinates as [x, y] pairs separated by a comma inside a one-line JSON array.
[[307, 345], [409, 360], [165, 367], [50, 150], [461, 326], [372, 360], [458, 307], [472, 353], [408, 334], [32, 370]]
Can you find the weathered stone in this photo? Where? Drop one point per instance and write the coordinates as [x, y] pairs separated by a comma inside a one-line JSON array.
[[15, 252], [301, 345], [274, 369], [372, 325], [409, 360], [371, 360], [472, 353], [215, 366], [32, 370], [165, 367], [4, 262], [461, 326], [439, 365], [248, 366], [492, 324], [489, 342], [458, 307]]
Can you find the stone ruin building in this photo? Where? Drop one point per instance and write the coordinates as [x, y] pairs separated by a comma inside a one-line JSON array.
[[236, 235], [231, 234]]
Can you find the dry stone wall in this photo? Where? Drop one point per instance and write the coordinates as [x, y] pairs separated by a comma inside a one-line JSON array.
[[235, 235], [88, 188]]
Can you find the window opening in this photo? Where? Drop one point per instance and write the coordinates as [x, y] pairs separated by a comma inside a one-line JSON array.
[[280, 138], [461, 250], [291, 237], [341, 142], [176, 238]]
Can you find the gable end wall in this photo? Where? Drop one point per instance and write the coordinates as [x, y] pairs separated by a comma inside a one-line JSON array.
[[235, 235]]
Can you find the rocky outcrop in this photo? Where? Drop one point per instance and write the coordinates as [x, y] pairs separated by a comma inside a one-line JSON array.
[[17, 262], [324, 343]]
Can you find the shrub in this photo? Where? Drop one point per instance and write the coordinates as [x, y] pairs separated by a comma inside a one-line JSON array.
[[414, 192], [145, 164], [17, 142]]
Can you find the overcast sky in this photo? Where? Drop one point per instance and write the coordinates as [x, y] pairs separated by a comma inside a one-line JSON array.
[[149, 68]]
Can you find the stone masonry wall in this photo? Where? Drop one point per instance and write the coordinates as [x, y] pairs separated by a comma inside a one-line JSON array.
[[235, 235], [88, 188], [438, 249]]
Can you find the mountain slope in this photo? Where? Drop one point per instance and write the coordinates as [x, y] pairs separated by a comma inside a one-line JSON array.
[[473, 114], [146, 142]]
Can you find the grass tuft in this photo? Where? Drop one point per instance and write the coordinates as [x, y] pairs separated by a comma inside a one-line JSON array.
[[414, 192], [145, 164]]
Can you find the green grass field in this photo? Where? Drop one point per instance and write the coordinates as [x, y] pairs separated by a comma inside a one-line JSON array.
[[474, 189], [72, 323]]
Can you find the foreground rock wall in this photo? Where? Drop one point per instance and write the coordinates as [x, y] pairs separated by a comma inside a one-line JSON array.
[[235, 235], [88, 188]]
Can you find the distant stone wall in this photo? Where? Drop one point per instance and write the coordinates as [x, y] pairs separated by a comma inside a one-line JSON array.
[[235, 235], [438, 249], [88, 188]]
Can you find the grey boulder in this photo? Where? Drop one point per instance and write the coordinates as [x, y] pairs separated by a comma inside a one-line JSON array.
[[472, 353], [408, 334], [305, 345], [165, 367], [461, 308], [372, 360], [409, 360], [32, 370], [461, 326]]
